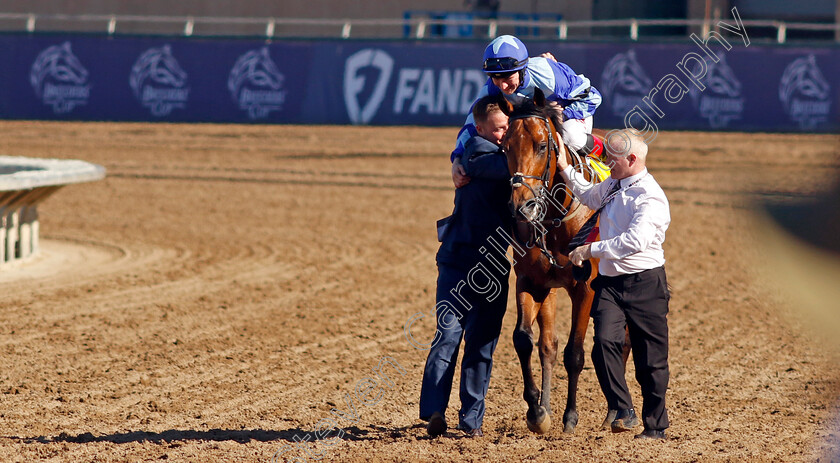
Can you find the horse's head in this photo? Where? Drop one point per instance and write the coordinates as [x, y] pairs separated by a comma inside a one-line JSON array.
[[531, 146]]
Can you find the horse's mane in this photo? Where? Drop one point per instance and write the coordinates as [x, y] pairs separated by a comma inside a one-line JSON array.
[[527, 108]]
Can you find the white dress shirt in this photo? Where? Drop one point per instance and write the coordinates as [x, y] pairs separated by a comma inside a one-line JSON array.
[[633, 222]]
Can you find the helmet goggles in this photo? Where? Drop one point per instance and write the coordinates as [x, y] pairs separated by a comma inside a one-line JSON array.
[[502, 66]]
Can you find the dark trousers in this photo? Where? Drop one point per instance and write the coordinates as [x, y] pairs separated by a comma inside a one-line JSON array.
[[480, 327], [638, 302]]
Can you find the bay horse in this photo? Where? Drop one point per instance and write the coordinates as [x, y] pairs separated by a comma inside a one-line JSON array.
[[547, 217]]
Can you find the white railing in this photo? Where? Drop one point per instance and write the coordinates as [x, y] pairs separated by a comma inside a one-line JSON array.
[[24, 184], [418, 28]]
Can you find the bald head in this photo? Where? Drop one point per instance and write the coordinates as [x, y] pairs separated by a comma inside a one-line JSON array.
[[626, 152]]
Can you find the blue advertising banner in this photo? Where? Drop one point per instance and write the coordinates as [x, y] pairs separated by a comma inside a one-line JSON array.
[[725, 85]]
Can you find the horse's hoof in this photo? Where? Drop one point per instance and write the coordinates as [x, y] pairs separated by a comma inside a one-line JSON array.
[[570, 421], [609, 419], [541, 423]]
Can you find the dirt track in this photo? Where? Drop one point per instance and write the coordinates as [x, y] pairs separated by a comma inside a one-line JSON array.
[[225, 287]]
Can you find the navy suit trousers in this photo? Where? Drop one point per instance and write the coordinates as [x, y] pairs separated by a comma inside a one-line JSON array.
[[470, 305]]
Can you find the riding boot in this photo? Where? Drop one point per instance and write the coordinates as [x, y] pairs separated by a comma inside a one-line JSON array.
[[588, 147]]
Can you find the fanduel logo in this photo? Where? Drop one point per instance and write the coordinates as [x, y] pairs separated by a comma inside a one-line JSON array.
[[804, 93], [355, 83], [158, 81], [59, 79], [721, 102], [256, 84], [624, 83], [418, 90]]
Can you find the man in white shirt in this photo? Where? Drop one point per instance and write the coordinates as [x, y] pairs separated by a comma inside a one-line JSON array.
[[631, 287]]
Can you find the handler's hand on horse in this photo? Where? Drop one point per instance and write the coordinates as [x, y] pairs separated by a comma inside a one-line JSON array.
[[562, 162], [581, 254], [459, 175], [548, 55]]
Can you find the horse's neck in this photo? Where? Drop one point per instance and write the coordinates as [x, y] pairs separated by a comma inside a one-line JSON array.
[[567, 199], [560, 196]]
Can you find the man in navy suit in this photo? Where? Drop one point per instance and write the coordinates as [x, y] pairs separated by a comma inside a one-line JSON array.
[[472, 285]]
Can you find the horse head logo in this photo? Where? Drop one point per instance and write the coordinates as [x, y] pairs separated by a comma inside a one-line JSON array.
[[721, 79], [158, 65], [803, 78], [624, 77], [59, 64], [623, 72], [257, 69], [354, 83], [804, 92], [256, 83], [721, 101]]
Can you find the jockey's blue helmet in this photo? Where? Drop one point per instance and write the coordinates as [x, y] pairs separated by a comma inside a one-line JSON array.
[[505, 54]]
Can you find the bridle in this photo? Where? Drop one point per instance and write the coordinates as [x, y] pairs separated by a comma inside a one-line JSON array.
[[540, 196], [516, 180]]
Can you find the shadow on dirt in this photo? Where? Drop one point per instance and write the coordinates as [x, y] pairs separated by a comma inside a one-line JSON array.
[[351, 433]]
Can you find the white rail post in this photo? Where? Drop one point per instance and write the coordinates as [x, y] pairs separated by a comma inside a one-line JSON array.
[[781, 32], [269, 29], [25, 234], [421, 30], [30, 23], [345, 30], [188, 27], [563, 30], [634, 30], [2, 235], [492, 28], [112, 25], [12, 225], [36, 228]]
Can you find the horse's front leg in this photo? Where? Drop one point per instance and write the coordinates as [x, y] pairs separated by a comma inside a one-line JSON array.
[[523, 341], [548, 346], [581, 296]]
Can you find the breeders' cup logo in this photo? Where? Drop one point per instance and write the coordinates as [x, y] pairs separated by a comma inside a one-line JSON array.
[[256, 84], [624, 83], [158, 81], [59, 79], [804, 93], [721, 102], [354, 83]]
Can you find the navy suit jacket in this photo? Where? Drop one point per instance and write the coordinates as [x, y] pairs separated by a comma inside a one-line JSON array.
[[481, 206]]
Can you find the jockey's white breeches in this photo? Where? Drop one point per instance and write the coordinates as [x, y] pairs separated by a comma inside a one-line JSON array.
[[574, 132]]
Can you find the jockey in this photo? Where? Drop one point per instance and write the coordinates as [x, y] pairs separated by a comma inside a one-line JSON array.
[[514, 74]]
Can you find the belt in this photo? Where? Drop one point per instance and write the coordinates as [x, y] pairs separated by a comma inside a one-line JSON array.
[[635, 276]]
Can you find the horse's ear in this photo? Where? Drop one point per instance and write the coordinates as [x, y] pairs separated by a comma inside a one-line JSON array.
[[505, 105], [539, 98]]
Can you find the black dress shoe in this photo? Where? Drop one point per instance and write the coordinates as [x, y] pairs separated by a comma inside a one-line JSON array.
[[652, 434], [474, 433], [437, 425], [625, 420]]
